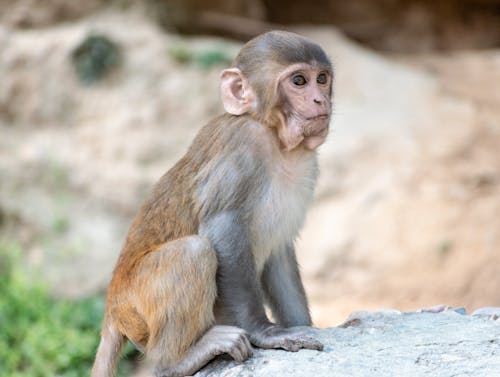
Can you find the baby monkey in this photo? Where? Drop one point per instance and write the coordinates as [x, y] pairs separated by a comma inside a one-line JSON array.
[[215, 240]]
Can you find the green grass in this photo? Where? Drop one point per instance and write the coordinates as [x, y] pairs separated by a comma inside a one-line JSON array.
[[205, 59], [41, 336]]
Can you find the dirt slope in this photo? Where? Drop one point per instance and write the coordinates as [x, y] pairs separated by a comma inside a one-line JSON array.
[[407, 207]]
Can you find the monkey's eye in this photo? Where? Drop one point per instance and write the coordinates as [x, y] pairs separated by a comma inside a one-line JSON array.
[[299, 80], [322, 78]]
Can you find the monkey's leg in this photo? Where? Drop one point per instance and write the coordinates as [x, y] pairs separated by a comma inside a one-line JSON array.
[[240, 296], [176, 288], [286, 296], [284, 291]]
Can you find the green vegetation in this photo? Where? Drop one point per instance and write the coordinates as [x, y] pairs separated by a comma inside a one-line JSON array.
[[39, 335], [95, 57], [206, 59], [60, 224], [444, 248]]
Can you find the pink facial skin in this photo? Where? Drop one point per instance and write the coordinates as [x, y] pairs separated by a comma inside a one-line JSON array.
[[307, 89]]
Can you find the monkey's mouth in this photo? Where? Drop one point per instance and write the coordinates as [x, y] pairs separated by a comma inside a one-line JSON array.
[[319, 117]]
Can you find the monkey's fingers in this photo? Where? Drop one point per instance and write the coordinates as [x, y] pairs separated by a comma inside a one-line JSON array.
[[287, 339], [245, 348], [236, 345], [296, 343]]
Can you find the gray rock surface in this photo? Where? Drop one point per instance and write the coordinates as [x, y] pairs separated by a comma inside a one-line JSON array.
[[384, 343]]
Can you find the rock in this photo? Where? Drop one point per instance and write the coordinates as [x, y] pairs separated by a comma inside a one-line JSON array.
[[489, 312], [444, 309], [383, 343]]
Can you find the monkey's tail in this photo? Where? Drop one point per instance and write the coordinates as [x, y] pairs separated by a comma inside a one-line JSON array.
[[108, 352]]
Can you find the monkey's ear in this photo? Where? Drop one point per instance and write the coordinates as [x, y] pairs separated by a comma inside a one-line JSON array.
[[237, 96]]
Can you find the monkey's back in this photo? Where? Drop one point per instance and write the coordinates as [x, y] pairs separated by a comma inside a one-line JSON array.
[[200, 184]]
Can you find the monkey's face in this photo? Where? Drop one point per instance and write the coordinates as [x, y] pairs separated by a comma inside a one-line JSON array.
[[295, 99], [305, 91]]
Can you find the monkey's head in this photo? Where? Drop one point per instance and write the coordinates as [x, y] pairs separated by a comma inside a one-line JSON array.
[[284, 81]]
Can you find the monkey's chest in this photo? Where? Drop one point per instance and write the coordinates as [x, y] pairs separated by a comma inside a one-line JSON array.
[[279, 215]]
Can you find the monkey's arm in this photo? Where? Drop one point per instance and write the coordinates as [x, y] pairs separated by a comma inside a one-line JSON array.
[[240, 300], [284, 290], [239, 297]]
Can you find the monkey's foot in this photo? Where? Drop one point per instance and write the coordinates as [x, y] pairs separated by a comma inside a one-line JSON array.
[[290, 339], [216, 341]]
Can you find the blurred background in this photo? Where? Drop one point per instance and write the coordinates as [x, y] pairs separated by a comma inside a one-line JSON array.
[[99, 98]]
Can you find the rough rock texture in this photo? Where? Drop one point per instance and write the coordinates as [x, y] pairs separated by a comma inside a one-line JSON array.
[[384, 343]]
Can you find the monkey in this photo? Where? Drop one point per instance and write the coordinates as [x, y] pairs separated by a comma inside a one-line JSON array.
[[214, 242]]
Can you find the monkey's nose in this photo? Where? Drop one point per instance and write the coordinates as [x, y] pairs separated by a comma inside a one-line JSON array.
[[318, 101]]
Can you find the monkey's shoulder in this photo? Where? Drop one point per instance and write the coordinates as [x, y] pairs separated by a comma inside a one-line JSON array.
[[237, 141], [227, 132], [239, 147]]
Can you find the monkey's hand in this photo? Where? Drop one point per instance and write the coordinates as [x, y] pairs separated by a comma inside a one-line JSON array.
[[227, 339], [290, 339]]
